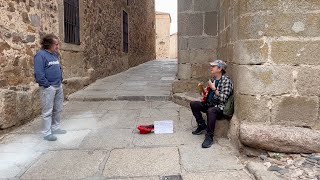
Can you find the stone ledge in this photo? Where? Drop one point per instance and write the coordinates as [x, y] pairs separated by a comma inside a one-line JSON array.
[[280, 138], [184, 99]]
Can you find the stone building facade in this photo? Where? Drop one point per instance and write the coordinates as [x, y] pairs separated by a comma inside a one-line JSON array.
[[100, 52], [273, 52], [174, 46], [163, 21]]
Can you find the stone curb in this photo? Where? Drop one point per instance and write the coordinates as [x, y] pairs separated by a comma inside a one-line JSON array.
[[260, 172], [122, 98]]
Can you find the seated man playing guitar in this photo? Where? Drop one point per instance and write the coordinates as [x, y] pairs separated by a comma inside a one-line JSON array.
[[215, 96]]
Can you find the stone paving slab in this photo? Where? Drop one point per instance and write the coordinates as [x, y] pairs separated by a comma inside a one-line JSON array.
[[13, 164], [66, 165], [107, 139], [196, 159], [142, 162], [175, 139], [225, 175]]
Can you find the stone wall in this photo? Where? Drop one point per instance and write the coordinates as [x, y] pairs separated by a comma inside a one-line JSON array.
[[163, 21], [174, 46], [273, 49], [100, 54], [197, 42]]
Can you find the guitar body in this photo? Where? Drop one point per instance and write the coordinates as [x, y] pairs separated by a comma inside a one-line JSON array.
[[205, 94]]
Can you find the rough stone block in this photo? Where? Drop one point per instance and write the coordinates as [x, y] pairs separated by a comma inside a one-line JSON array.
[[185, 5], [211, 24], [180, 86], [296, 52], [184, 56], [264, 80], [308, 81], [295, 25], [252, 108], [280, 138], [248, 6], [250, 52], [295, 111], [200, 71], [184, 71], [183, 43], [205, 5], [203, 43], [190, 24], [202, 56]]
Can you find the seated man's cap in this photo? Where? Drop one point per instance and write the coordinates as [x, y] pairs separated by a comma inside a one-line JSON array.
[[219, 63]]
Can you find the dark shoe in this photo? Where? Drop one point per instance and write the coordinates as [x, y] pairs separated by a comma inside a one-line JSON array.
[[59, 131], [199, 130], [208, 141], [50, 137]]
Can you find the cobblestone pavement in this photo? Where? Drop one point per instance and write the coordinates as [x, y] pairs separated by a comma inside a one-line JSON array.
[[102, 141]]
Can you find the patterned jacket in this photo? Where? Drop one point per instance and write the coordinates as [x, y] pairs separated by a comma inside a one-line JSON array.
[[225, 88]]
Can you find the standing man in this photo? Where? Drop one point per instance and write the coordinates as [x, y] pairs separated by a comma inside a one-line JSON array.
[[48, 75], [220, 89]]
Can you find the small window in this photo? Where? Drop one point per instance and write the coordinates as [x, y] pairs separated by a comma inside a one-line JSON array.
[[125, 33], [71, 22]]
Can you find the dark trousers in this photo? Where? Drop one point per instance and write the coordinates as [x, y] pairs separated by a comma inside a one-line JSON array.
[[212, 114]]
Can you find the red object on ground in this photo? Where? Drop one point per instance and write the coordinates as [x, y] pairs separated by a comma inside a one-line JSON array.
[[145, 129]]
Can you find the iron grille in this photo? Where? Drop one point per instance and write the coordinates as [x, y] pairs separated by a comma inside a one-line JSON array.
[[71, 22]]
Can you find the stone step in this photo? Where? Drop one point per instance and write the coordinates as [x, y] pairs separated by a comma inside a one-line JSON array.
[[108, 97], [184, 99]]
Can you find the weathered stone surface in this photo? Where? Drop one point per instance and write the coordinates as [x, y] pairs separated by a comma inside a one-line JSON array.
[[211, 23], [260, 172], [202, 56], [218, 175], [184, 71], [35, 20], [184, 56], [25, 17], [287, 6], [308, 81], [264, 80], [280, 138], [295, 111], [180, 86], [185, 5], [296, 25], [200, 70], [182, 43], [205, 5], [157, 161], [202, 42], [252, 108], [190, 24], [296, 52], [250, 52], [63, 164], [195, 159]]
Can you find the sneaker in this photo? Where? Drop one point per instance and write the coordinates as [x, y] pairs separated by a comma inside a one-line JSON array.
[[50, 137], [208, 141], [199, 130], [59, 131]]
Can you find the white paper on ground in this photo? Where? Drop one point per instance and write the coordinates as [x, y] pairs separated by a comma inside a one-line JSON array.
[[163, 127]]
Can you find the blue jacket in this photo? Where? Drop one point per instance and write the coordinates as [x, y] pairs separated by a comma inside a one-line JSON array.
[[47, 69]]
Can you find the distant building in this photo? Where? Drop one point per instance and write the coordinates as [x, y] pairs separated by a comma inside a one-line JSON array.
[[174, 46], [163, 21]]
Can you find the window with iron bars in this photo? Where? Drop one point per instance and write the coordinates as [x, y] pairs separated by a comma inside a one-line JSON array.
[[125, 33], [71, 22]]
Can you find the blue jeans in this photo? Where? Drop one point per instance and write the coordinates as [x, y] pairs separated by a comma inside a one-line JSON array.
[[52, 106]]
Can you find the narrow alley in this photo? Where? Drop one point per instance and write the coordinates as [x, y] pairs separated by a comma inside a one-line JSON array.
[[102, 141]]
